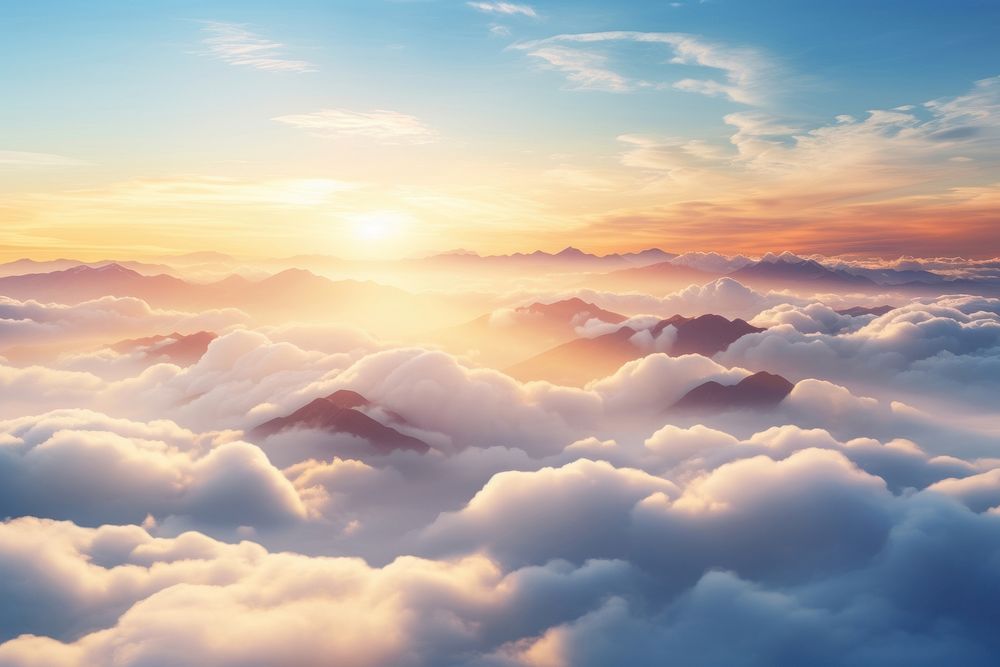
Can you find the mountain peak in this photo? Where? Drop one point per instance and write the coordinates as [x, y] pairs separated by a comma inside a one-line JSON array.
[[760, 390]]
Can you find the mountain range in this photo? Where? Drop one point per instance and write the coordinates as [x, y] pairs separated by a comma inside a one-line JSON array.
[[585, 359], [293, 293]]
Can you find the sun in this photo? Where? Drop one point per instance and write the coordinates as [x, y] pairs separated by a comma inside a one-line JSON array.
[[375, 226]]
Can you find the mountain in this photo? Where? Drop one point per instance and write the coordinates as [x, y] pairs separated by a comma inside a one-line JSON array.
[[760, 390], [857, 311], [785, 273], [648, 256], [987, 286], [568, 313], [343, 412], [657, 279], [502, 337], [896, 276], [567, 259], [83, 283], [176, 348], [705, 335], [294, 293], [579, 361], [25, 266]]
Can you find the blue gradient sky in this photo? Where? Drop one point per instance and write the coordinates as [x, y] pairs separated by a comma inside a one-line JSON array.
[[131, 90]]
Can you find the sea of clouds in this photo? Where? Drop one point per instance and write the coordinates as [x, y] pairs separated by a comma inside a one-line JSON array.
[[857, 523]]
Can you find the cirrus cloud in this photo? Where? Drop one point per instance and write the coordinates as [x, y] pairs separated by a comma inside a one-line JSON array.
[[383, 126]]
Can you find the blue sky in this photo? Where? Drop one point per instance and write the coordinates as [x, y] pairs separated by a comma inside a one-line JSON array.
[[133, 89]]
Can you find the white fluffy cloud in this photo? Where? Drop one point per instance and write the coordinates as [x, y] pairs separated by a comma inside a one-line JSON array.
[[740, 555], [107, 320], [547, 525], [92, 469], [945, 346]]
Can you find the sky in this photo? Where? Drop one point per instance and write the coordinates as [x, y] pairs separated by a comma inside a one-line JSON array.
[[379, 129]]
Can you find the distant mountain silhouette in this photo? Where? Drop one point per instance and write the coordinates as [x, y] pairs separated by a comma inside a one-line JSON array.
[[567, 259], [526, 331], [784, 273], [292, 293], [896, 276], [579, 361], [177, 348], [659, 278], [82, 283], [26, 266], [341, 412], [571, 311], [760, 390], [857, 311]]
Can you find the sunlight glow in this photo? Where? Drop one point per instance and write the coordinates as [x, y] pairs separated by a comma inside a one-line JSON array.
[[376, 226]]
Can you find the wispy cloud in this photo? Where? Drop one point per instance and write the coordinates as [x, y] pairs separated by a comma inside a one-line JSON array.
[[388, 127], [233, 43], [508, 8], [584, 70], [743, 70], [186, 191], [883, 181], [26, 159]]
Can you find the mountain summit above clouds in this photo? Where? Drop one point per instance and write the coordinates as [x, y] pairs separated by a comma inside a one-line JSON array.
[[344, 412], [760, 390], [177, 348], [579, 361]]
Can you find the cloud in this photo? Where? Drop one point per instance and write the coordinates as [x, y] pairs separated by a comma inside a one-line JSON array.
[[724, 296], [37, 388], [470, 406], [745, 71], [584, 70], [874, 183], [188, 192], [562, 527], [93, 469], [558, 528], [234, 44], [106, 319], [507, 8], [813, 318], [242, 380], [27, 160], [388, 127], [674, 156], [947, 346], [279, 607]]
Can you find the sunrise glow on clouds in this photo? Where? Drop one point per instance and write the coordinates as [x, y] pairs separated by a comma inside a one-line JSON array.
[[499, 334]]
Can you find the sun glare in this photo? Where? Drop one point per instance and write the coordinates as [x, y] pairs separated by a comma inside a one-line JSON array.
[[376, 226]]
